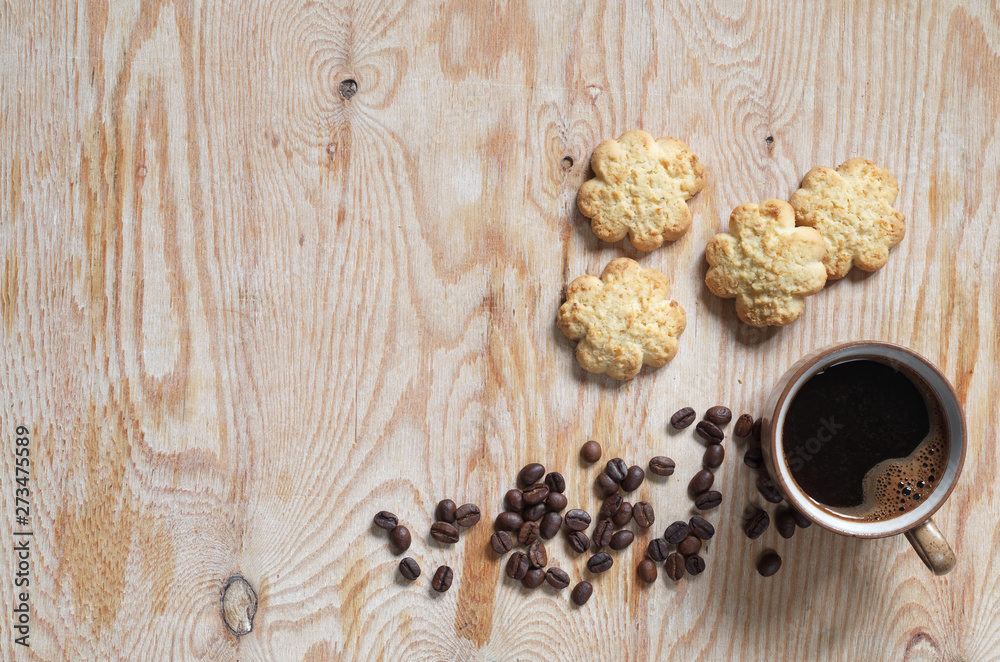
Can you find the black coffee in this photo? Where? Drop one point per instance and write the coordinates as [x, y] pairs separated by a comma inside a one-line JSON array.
[[861, 439]]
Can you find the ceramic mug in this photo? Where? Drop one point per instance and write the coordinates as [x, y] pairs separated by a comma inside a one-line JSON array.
[[916, 525]]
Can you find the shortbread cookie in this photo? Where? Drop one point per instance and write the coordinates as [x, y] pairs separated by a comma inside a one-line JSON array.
[[640, 189], [852, 208], [766, 263], [622, 320]]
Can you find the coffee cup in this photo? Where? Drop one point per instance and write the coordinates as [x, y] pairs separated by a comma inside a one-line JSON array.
[[831, 430]]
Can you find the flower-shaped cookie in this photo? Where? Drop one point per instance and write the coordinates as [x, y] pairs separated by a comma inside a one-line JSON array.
[[622, 320], [852, 208], [640, 189], [766, 263]]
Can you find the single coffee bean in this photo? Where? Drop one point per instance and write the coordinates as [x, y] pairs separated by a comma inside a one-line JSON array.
[[557, 578], [501, 542], [756, 524], [683, 418], [676, 532], [657, 550], [710, 432], [537, 555], [508, 521], [643, 514], [633, 479], [768, 489], [528, 533], [755, 431], [400, 538], [590, 452], [602, 533], [530, 474], [662, 466], [535, 512], [701, 482], [555, 482], [386, 520], [701, 527], [623, 514], [616, 468], [442, 578], [784, 522], [581, 593], [719, 415], [467, 515], [409, 569], [674, 566], [708, 500], [533, 578], [714, 455], [578, 541], [646, 571], [535, 494], [599, 563], [555, 502], [801, 520], [695, 565], [610, 506], [769, 564], [445, 511], [622, 539], [518, 565], [744, 424], [753, 457], [690, 546], [605, 484], [550, 525], [577, 520], [513, 500], [444, 532]]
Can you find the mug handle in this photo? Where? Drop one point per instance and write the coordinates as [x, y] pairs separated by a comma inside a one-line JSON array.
[[931, 547]]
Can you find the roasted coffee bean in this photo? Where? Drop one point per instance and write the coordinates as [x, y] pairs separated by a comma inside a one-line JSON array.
[[701, 482], [555, 482], [518, 565], [409, 569], [769, 564], [444, 532], [581, 593], [756, 429], [602, 533], [674, 566], [535, 494], [683, 418], [400, 538], [756, 524], [530, 474], [578, 541], [501, 542], [753, 457], [708, 500], [646, 571], [508, 521], [633, 479], [535, 512], [676, 532], [768, 489], [445, 511], [533, 578], [657, 550], [610, 506], [701, 527], [467, 515], [557, 578], [528, 533], [690, 546], [590, 452], [550, 525], [710, 432], [622, 539], [623, 514], [514, 500], [442, 578], [577, 520], [719, 415], [600, 562], [744, 425], [784, 522], [555, 502], [605, 484], [537, 555], [801, 520], [714, 455], [643, 514], [662, 466], [386, 520], [695, 565], [616, 468]]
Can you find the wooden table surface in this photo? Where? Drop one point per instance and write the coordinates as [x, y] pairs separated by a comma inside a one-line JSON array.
[[242, 313]]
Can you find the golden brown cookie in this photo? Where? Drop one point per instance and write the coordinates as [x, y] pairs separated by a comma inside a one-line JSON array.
[[852, 208], [622, 320], [766, 263], [640, 189]]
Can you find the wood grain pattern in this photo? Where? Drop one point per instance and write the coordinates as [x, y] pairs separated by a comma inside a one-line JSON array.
[[241, 314]]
